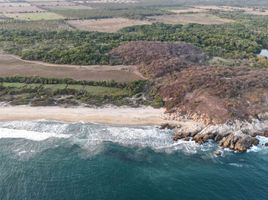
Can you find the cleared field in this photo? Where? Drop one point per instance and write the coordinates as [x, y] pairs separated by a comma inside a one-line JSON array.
[[48, 25], [53, 3], [35, 16], [105, 25], [222, 8], [11, 66], [198, 18], [253, 11], [74, 7], [256, 12], [188, 10], [18, 8], [31, 1], [112, 1]]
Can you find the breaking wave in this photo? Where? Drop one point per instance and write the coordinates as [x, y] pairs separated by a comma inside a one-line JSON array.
[[93, 137]]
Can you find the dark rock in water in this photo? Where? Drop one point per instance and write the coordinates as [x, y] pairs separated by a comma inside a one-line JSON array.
[[238, 142], [202, 138], [218, 153], [264, 133], [184, 134], [187, 139], [219, 137], [266, 145], [168, 126]]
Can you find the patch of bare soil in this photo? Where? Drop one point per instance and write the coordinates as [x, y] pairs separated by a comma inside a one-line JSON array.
[[12, 65], [105, 25], [186, 18]]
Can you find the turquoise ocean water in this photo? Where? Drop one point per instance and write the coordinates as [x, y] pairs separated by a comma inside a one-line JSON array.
[[51, 160]]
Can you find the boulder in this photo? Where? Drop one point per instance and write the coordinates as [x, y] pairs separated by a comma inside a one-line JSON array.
[[217, 153], [168, 126], [203, 138], [266, 145], [265, 134], [238, 142]]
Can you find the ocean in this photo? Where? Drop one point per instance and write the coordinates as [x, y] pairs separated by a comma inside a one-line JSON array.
[[45, 160]]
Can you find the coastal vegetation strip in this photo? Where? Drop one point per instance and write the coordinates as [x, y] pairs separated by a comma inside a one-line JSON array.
[[38, 91]]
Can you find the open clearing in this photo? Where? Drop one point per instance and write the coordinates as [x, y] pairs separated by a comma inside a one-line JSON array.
[[18, 8], [74, 7], [105, 25], [35, 16], [253, 11], [198, 18], [53, 3], [112, 1], [49, 25], [11, 65], [188, 10]]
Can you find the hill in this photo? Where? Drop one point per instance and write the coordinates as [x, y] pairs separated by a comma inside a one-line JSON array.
[[156, 59]]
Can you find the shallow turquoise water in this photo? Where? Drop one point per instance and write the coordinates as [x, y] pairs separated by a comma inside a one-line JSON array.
[[51, 160]]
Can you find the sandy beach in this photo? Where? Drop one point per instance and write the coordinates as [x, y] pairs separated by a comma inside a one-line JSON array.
[[106, 115]]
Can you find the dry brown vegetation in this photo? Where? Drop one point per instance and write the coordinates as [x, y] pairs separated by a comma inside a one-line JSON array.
[[12, 66], [218, 93], [18, 8], [253, 11], [210, 94], [156, 59], [105, 25], [186, 18]]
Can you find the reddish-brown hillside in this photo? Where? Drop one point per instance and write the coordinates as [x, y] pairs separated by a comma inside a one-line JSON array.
[[218, 94], [155, 59], [188, 88]]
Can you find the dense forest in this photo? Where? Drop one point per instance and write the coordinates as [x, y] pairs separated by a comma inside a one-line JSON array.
[[241, 40]]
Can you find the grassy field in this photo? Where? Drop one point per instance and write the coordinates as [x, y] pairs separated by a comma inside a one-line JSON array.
[[35, 16], [93, 90], [48, 25], [105, 25], [132, 13]]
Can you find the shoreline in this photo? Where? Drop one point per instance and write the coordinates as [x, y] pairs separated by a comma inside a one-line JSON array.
[[103, 115]]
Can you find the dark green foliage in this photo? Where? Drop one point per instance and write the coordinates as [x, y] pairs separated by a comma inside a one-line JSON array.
[[243, 39], [39, 91], [131, 13]]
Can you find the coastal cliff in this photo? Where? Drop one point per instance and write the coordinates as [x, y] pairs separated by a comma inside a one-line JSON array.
[[229, 102]]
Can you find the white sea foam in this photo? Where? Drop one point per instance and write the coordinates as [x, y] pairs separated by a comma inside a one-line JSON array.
[[29, 135], [236, 164], [261, 146], [92, 137]]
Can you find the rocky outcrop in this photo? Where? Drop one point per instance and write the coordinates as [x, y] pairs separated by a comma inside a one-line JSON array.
[[238, 136], [168, 126], [238, 142]]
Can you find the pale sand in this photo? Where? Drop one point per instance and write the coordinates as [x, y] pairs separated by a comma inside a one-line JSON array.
[[106, 115]]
